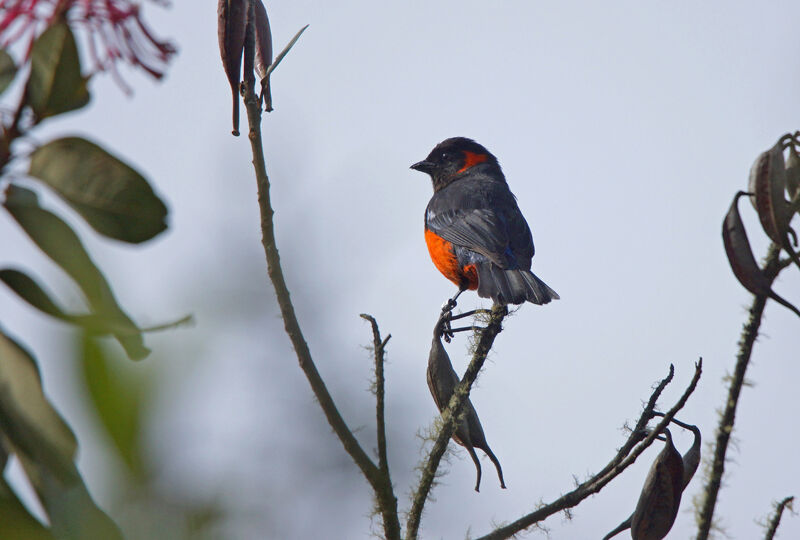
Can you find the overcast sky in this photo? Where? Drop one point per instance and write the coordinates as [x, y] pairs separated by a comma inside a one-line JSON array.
[[624, 130]]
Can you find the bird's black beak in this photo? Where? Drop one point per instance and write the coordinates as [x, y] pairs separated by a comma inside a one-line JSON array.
[[423, 166]]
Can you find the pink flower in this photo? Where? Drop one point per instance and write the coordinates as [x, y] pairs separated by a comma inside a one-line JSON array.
[[113, 30]]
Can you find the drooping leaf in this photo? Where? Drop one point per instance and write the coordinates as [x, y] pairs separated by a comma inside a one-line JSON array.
[[7, 70], [22, 389], [56, 85], [110, 195], [30, 291], [117, 399], [231, 26], [59, 242], [72, 513], [741, 259], [34, 294]]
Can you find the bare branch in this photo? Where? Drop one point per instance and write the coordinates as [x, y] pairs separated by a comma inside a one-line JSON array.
[[618, 464], [371, 472], [387, 501], [775, 520], [725, 428], [450, 418]]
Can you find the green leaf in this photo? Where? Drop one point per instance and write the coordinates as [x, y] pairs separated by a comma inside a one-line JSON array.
[[118, 399], [46, 449], [21, 387], [55, 85], [15, 518], [59, 242], [30, 291], [7, 70], [111, 196]]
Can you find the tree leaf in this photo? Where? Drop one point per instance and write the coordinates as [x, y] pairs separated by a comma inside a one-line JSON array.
[[30, 291], [7, 70], [21, 385], [111, 196], [59, 242], [15, 518], [55, 85], [72, 513], [118, 400]]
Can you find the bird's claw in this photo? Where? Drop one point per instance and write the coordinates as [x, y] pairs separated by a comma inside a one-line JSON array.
[[449, 306]]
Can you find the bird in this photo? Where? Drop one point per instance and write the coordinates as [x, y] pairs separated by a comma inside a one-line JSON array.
[[476, 234]]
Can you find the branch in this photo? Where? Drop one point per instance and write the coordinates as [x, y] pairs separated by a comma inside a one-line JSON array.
[[387, 501], [618, 464], [370, 471], [772, 527], [450, 418], [725, 428]]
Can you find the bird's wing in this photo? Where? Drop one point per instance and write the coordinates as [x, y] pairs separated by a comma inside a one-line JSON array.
[[478, 229]]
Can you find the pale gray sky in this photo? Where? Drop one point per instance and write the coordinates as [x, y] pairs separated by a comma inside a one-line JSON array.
[[624, 129]]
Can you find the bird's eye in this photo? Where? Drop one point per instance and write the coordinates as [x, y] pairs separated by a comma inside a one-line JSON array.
[[444, 156]]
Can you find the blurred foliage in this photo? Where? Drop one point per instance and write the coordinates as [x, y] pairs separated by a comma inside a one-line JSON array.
[[119, 203]]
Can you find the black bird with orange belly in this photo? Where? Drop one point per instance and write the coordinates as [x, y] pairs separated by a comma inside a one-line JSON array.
[[475, 232]]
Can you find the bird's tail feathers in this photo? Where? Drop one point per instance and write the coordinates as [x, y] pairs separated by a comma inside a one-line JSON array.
[[512, 286]]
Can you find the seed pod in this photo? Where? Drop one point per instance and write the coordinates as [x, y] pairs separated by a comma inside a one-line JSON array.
[[263, 40], [768, 181], [661, 495], [442, 382], [691, 459], [741, 259], [231, 26], [792, 173], [263, 52]]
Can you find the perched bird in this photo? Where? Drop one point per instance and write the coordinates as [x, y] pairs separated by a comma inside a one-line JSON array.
[[475, 232]]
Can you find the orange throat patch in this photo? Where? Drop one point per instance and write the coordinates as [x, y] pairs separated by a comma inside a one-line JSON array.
[[444, 258], [471, 159]]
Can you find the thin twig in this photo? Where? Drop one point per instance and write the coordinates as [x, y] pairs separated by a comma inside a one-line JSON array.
[[775, 520], [387, 501], [610, 471], [450, 418], [725, 428], [370, 471]]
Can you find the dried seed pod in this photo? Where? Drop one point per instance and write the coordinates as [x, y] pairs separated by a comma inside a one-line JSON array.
[[768, 180], [793, 173], [263, 52], [741, 259], [442, 382], [263, 40], [231, 27], [691, 459], [661, 495]]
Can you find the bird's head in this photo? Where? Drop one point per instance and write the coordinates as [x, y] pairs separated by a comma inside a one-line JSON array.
[[454, 158]]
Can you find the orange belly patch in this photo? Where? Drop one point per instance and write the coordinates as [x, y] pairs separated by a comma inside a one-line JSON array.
[[445, 261]]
